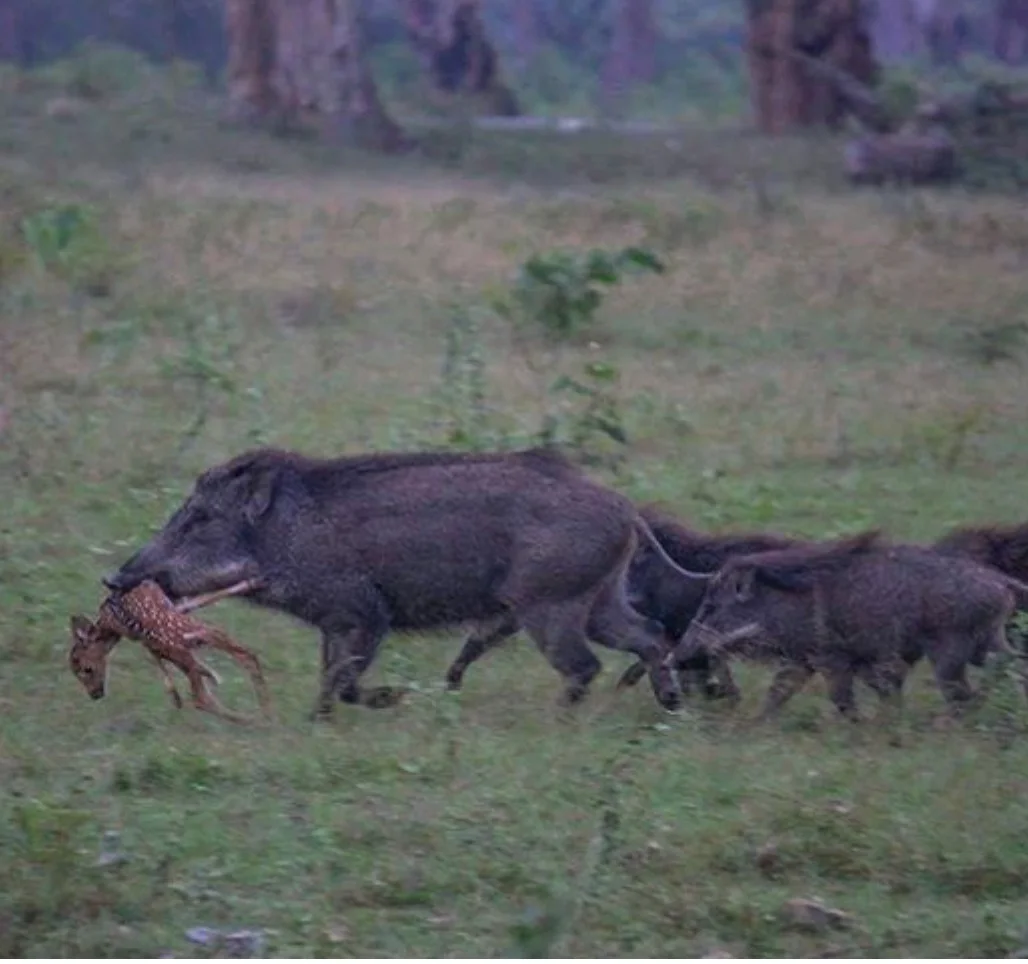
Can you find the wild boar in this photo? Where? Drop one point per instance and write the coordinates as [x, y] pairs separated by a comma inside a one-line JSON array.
[[659, 592], [1001, 547], [361, 545], [854, 607]]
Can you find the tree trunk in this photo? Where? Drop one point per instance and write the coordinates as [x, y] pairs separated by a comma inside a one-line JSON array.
[[1011, 31], [450, 37], [527, 29], [631, 56], [945, 31], [250, 29], [895, 31], [10, 32], [294, 59], [787, 93]]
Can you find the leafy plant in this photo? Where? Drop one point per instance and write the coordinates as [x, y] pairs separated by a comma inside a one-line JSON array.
[[204, 364], [560, 292], [464, 385], [67, 240], [593, 416]]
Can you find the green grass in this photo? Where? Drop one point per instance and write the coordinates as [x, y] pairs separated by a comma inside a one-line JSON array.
[[813, 361]]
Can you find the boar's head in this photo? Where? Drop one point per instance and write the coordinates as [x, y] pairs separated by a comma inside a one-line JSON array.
[[209, 542]]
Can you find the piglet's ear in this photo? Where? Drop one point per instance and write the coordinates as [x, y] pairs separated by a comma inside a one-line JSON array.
[[743, 583], [80, 627]]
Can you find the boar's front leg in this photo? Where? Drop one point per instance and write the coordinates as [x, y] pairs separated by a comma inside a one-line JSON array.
[[787, 682], [347, 656]]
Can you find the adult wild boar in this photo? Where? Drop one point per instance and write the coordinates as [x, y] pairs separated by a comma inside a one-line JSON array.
[[657, 591], [855, 607], [356, 546]]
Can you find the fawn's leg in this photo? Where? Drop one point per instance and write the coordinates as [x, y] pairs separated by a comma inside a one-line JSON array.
[[203, 699], [248, 660], [209, 598], [169, 683]]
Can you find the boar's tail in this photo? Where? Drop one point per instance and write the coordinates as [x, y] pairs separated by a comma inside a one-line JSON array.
[[642, 527]]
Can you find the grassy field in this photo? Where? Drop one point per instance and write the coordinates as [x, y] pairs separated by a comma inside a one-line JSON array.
[[813, 361]]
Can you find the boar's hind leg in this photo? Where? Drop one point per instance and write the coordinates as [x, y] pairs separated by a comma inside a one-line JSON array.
[[886, 678], [485, 637], [558, 629], [613, 623], [838, 672], [950, 668]]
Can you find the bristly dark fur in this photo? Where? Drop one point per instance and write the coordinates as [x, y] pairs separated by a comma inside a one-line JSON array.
[[798, 568], [362, 545], [860, 605], [1002, 547]]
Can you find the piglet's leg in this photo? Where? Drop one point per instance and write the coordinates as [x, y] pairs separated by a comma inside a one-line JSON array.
[[788, 681]]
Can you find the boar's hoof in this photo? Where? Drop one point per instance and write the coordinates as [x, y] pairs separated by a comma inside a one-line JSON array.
[[381, 697], [713, 690], [670, 699], [573, 693], [321, 713], [632, 675], [666, 688]]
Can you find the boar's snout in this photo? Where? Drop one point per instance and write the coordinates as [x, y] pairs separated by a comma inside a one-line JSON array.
[[130, 575], [117, 582]]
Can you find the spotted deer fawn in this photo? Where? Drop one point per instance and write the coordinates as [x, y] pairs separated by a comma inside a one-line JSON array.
[[169, 635]]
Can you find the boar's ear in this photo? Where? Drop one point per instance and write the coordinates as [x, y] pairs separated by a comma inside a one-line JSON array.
[[263, 487], [742, 583], [788, 578]]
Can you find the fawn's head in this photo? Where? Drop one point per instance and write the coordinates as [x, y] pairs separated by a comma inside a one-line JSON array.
[[88, 658]]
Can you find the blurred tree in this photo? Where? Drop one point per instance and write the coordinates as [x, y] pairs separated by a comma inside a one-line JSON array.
[[15, 32], [1010, 41], [294, 59], [528, 30], [631, 55], [450, 37], [786, 40], [947, 29]]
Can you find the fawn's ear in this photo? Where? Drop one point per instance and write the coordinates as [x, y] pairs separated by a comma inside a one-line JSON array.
[[80, 627]]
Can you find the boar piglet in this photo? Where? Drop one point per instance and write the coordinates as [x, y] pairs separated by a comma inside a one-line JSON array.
[[853, 607]]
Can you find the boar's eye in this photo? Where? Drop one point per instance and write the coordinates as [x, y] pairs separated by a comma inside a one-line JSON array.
[[740, 586], [197, 516]]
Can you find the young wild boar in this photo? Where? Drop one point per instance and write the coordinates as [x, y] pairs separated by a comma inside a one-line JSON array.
[[357, 546], [1001, 547], [854, 607], [659, 593]]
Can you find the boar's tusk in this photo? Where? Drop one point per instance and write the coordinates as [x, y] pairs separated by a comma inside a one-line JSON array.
[[743, 632]]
